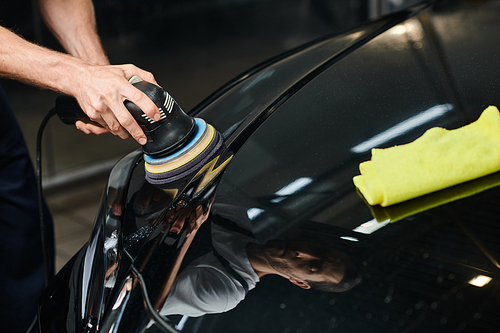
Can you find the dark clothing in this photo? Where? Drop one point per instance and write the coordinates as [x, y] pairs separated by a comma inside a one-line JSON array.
[[21, 259]]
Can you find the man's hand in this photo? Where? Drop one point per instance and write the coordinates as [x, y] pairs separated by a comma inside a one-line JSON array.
[[101, 94], [101, 89]]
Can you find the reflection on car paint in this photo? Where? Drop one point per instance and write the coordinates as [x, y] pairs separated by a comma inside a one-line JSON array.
[[217, 281]]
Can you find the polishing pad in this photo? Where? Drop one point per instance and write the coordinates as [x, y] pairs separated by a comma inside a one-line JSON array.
[[203, 145]]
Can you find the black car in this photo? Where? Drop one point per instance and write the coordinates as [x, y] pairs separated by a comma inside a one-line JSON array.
[[296, 129]]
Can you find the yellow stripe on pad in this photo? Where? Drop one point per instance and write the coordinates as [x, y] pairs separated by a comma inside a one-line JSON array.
[[187, 157]]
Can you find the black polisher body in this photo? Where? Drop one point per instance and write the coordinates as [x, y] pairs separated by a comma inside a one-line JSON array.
[[172, 130]]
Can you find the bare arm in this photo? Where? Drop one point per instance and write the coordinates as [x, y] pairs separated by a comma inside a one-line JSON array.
[[73, 23], [100, 90]]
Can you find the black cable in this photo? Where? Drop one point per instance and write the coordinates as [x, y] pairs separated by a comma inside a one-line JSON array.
[[49, 273], [38, 173]]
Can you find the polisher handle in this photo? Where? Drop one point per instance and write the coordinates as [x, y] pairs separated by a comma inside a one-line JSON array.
[[70, 112]]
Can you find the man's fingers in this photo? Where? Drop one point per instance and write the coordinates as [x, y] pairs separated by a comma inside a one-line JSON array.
[[130, 125], [90, 128], [131, 70], [138, 97], [114, 116], [115, 124], [80, 125], [144, 103]]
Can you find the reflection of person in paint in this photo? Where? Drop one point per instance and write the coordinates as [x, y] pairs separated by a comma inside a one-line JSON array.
[[208, 285], [305, 264]]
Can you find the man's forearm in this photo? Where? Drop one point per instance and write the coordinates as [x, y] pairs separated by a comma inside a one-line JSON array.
[[73, 23], [99, 88], [35, 65]]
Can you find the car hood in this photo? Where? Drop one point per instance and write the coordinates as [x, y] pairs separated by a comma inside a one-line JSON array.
[[299, 126]]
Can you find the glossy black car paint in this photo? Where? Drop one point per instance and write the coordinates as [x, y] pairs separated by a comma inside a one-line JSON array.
[[300, 125]]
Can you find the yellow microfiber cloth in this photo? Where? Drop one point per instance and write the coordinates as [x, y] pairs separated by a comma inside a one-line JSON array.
[[412, 207], [439, 159]]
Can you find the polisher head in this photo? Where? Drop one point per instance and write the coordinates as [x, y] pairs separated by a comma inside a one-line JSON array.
[[203, 156], [183, 154]]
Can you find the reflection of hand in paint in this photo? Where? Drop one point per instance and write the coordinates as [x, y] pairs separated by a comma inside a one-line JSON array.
[[114, 201], [177, 216], [195, 217], [150, 200]]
